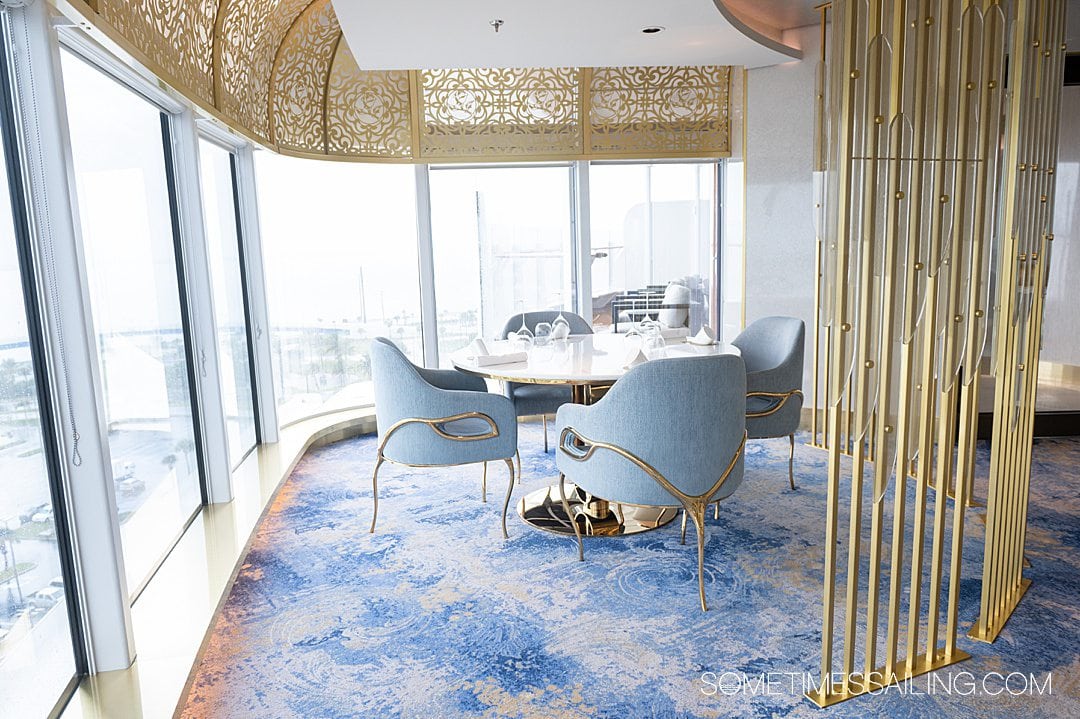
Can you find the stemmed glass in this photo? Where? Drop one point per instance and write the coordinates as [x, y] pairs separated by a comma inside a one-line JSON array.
[[543, 333], [524, 335], [560, 328]]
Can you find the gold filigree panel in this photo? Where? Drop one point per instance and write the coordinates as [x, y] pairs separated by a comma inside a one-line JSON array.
[[367, 112], [173, 34], [634, 110], [479, 113], [250, 33], [281, 73], [298, 87]]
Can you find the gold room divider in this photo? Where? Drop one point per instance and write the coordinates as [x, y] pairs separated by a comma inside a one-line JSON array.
[[938, 123]]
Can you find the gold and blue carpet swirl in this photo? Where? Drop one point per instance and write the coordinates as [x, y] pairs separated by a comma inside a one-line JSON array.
[[435, 615]]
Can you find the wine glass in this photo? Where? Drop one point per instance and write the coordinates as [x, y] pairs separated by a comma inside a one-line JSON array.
[[524, 335], [653, 343], [543, 332], [560, 328]]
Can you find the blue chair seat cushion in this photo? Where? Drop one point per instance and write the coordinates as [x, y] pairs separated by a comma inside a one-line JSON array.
[[530, 399], [761, 404]]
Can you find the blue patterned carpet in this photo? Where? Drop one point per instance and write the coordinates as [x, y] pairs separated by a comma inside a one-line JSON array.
[[435, 615]]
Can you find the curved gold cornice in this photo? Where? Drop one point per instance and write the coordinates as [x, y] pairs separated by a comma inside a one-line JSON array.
[[281, 73]]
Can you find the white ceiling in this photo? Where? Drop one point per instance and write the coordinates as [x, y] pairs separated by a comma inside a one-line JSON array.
[[407, 34]]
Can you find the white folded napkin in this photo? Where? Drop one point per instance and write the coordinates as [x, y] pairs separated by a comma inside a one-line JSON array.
[[505, 358], [478, 348], [674, 333], [705, 336], [634, 358]]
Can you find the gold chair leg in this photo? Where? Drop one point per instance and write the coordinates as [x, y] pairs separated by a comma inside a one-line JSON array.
[[483, 485], [375, 493], [716, 511], [697, 514], [791, 461], [543, 418], [682, 539], [509, 492], [569, 516], [517, 453]]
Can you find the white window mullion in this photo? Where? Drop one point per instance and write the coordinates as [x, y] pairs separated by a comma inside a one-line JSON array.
[[582, 241], [259, 317], [425, 252], [75, 375], [200, 299]]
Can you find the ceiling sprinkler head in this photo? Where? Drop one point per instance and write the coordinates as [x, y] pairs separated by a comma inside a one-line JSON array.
[[496, 24]]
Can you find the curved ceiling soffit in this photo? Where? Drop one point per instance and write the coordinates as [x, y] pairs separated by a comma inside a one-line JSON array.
[[766, 36], [281, 73]]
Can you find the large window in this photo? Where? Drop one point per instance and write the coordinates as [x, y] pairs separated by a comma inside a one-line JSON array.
[[339, 248], [501, 239], [227, 285], [652, 224], [36, 658], [118, 141]]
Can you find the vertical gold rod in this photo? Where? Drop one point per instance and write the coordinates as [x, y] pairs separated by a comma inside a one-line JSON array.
[[904, 419], [1007, 579], [860, 376], [990, 90], [961, 239], [846, 153], [1037, 269], [1020, 430], [1004, 343], [889, 282], [1011, 569], [928, 401], [817, 345], [1055, 56], [827, 439]]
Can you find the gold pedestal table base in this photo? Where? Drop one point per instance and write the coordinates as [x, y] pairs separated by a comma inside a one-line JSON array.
[[595, 517]]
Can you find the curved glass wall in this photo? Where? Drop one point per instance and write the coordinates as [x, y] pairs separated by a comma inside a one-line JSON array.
[[118, 143], [340, 258], [227, 286]]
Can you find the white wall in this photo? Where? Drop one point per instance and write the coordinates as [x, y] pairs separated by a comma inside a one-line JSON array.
[[1061, 328], [779, 166]]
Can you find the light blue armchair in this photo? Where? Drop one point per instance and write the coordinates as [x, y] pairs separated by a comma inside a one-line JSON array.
[[772, 349], [437, 418], [541, 399], [656, 439]]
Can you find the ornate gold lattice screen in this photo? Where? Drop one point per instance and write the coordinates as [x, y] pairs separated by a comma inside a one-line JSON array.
[[939, 122], [280, 72]]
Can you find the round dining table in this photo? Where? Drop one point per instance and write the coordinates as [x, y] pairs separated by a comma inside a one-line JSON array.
[[589, 365]]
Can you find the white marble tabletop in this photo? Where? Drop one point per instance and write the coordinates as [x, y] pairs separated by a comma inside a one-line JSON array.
[[580, 359]]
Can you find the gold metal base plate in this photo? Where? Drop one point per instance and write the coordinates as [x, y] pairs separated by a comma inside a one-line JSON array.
[[900, 674], [543, 509], [988, 635]]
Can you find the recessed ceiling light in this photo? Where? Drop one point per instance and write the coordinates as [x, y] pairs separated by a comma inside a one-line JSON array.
[[652, 29]]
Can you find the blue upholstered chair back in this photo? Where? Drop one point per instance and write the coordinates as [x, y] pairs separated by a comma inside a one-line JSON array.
[[578, 325], [400, 391], [684, 417], [772, 348], [405, 391]]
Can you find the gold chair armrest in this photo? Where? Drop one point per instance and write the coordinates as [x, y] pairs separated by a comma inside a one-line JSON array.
[[782, 396], [568, 445], [435, 425]]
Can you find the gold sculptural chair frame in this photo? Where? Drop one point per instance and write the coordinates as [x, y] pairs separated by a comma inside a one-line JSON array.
[[466, 424]]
